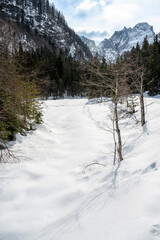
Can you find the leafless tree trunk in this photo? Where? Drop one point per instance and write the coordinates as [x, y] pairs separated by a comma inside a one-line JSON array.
[[119, 146], [115, 143], [142, 102], [135, 72], [112, 84], [116, 117]]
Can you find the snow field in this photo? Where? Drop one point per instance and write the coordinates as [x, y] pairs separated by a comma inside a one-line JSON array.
[[47, 196]]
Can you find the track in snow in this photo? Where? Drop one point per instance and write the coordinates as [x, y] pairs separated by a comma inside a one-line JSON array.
[[47, 197]]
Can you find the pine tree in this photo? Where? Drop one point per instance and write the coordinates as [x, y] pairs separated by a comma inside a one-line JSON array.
[[154, 67]]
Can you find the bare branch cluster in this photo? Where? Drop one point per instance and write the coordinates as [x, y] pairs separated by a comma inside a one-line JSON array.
[[119, 82]]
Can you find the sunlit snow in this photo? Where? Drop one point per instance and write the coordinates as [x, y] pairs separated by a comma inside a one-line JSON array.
[[46, 195]]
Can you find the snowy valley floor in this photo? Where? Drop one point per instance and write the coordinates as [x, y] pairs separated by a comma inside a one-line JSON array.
[[47, 196]]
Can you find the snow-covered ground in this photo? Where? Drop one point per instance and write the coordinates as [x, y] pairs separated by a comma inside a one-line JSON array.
[[48, 196]]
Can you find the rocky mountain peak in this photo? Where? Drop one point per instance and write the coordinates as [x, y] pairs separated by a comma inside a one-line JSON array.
[[143, 26], [123, 40], [91, 44]]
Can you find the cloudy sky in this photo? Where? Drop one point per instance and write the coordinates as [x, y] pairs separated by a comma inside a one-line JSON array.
[[99, 18]]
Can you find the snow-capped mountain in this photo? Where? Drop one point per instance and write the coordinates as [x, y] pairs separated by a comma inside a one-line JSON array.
[[122, 41], [91, 44], [38, 18]]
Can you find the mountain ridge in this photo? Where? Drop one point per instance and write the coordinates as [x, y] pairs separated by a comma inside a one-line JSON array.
[[122, 41]]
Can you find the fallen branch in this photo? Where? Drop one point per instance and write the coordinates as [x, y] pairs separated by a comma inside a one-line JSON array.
[[91, 164]]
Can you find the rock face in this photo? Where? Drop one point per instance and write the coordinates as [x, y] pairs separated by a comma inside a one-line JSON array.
[[122, 41], [91, 44], [37, 18]]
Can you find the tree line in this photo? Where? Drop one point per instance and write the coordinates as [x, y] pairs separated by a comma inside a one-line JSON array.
[[149, 57], [55, 73]]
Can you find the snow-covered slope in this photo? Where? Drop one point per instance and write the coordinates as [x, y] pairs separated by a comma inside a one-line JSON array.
[[124, 40], [47, 196], [37, 18]]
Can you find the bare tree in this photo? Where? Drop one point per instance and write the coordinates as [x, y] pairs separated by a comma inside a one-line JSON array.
[[116, 116], [110, 83], [135, 72]]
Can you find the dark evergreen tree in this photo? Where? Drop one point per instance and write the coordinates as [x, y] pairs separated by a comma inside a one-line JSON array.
[[154, 67]]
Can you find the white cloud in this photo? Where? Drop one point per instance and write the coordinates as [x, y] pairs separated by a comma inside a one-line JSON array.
[[95, 35], [109, 15], [87, 5], [102, 2], [119, 15]]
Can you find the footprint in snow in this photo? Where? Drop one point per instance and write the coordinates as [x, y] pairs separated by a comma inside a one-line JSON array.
[[150, 168], [155, 230]]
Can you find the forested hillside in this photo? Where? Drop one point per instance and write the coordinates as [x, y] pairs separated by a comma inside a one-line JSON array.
[[28, 74], [40, 57], [39, 24]]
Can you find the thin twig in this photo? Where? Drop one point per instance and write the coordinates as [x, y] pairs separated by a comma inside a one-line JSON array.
[[91, 164]]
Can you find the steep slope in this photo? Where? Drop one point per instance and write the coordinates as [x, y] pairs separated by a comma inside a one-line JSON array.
[[124, 40], [39, 18]]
